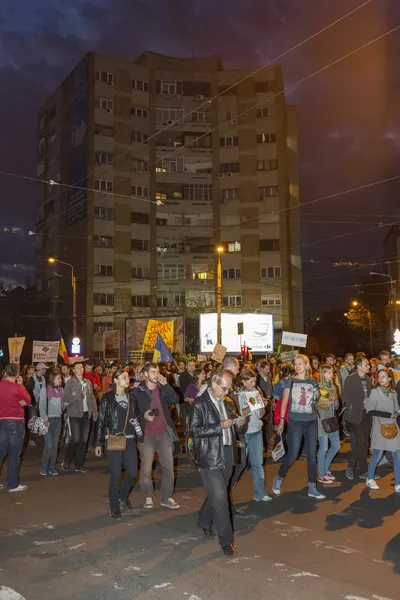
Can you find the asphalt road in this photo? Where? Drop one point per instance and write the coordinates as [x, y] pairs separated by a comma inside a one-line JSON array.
[[57, 541]]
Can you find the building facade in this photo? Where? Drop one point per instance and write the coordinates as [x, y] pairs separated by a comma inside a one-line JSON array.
[[151, 165]]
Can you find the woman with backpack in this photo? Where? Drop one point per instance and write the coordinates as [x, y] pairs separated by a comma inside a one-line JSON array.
[[119, 429], [51, 406]]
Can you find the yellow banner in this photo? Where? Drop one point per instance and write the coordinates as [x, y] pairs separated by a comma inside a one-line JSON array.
[[164, 328]]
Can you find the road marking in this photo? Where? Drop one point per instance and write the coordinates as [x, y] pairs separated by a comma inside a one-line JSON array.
[[44, 543], [7, 593], [77, 546], [304, 574]]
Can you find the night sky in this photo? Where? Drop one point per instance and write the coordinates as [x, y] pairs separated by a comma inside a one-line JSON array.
[[349, 114]]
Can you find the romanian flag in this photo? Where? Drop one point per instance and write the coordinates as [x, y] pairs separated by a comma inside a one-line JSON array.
[[161, 352], [62, 349]]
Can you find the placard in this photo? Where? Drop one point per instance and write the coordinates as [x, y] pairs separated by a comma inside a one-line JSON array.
[[294, 339], [15, 345], [45, 351], [252, 400], [218, 353]]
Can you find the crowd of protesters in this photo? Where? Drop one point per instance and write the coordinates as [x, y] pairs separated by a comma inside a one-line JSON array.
[[134, 412]]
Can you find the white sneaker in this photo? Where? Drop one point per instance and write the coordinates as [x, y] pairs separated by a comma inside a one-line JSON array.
[[1, 486], [20, 488], [397, 489], [148, 503], [265, 498], [371, 483]]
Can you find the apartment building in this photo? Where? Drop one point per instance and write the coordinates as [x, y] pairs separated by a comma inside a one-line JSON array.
[[152, 164]]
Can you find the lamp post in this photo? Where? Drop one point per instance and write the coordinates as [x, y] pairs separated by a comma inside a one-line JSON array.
[[220, 250], [392, 293], [355, 304], [53, 260]]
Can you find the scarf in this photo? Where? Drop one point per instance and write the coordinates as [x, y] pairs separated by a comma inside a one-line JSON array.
[[56, 392], [386, 389]]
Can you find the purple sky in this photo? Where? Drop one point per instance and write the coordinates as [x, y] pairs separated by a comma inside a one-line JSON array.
[[349, 115]]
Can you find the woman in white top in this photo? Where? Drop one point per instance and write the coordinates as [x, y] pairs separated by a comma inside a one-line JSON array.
[[254, 439]]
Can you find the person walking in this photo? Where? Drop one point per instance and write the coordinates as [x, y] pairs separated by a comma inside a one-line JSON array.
[[253, 436], [383, 405], [117, 417], [301, 395], [35, 384], [153, 397], [213, 419], [356, 391], [326, 408], [13, 398], [51, 406], [81, 407]]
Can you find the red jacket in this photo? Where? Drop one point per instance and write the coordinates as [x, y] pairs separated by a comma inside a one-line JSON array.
[[10, 396], [93, 377]]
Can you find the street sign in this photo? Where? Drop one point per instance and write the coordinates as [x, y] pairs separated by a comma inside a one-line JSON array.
[[294, 339]]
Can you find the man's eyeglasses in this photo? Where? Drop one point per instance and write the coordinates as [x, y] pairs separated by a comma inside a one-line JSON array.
[[224, 388]]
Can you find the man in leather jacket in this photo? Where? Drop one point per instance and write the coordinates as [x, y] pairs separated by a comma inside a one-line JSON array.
[[213, 420]]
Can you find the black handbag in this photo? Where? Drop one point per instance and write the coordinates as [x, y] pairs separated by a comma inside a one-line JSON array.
[[330, 425]]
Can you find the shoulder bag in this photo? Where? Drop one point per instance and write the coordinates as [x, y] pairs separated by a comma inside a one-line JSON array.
[[118, 440], [389, 430]]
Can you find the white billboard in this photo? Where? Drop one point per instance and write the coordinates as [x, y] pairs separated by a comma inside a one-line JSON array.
[[258, 332]]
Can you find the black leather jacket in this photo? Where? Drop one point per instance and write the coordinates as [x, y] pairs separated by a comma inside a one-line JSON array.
[[108, 416], [206, 432]]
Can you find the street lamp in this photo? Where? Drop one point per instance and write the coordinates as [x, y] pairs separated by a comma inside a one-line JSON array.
[[53, 260], [392, 293], [220, 250]]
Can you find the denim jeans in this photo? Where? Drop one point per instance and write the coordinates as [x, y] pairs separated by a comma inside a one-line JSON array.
[[117, 458], [163, 446], [325, 456], [255, 453], [12, 435], [215, 508], [377, 456], [80, 427], [295, 432], [51, 440]]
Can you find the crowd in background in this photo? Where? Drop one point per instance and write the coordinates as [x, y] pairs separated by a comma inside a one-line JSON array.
[[308, 409]]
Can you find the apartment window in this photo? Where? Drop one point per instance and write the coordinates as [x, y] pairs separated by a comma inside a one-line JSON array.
[[160, 221], [267, 165], [264, 86], [263, 113], [198, 191], [229, 167], [139, 85], [102, 185], [140, 218], [104, 76], [232, 273], [140, 191], [168, 271], [269, 272], [268, 191], [197, 141], [140, 245], [170, 299], [234, 247], [105, 104], [170, 88], [230, 90], [140, 273], [103, 270], [139, 164], [138, 137], [230, 194], [104, 212], [170, 245], [101, 327], [196, 88], [266, 138], [228, 142], [271, 301], [230, 115], [103, 158], [104, 131], [201, 115], [161, 196], [103, 299], [169, 113], [139, 112], [232, 301], [141, 301], [170, 165], [269, 245], [103, 241]]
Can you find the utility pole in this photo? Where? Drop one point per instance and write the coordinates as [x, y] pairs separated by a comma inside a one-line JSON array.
[[220, 250]]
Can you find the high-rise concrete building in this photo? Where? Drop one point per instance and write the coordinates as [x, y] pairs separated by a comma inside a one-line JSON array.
[[168, 157]]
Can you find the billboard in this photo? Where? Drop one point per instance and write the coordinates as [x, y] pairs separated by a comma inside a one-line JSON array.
[[258, 332], [136, 330]]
